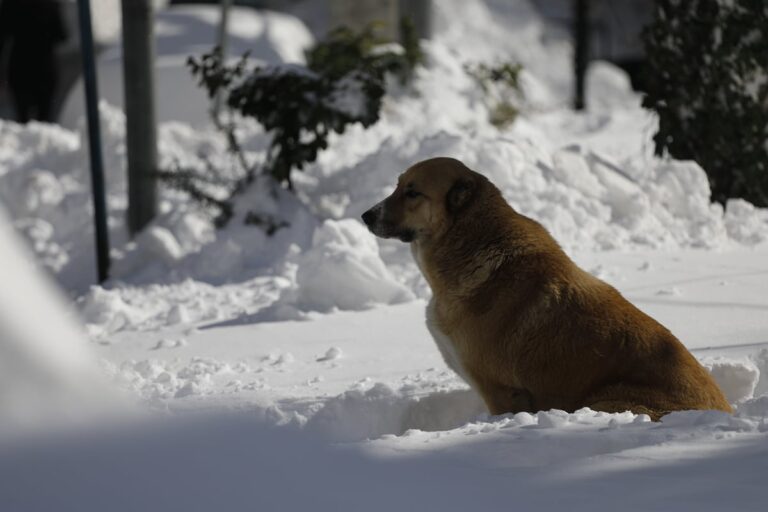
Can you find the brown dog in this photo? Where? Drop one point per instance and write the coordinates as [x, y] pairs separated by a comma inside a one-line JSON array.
[[517, 319]]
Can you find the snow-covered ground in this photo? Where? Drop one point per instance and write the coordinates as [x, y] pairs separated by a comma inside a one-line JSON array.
[[296, 370]]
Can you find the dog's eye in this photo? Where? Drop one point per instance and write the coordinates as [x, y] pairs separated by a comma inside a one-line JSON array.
[[411, 194]]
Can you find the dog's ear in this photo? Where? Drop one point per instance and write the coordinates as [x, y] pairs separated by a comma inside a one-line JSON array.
[[460, 194]]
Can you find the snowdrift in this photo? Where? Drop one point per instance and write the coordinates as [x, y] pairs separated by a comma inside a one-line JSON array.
[[47, 371]]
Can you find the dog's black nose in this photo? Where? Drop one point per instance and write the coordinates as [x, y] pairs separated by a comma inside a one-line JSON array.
[[369, 217]]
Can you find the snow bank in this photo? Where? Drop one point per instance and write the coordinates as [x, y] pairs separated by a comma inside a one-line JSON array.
[[737, 378], [46, 369], [409, 413], [761, 361], [42, 186], [343, 270], [589, 198], [340, 268], [608, 87], [381, 412], [369, 414]]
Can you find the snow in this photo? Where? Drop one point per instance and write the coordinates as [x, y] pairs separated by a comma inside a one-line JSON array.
[[296, 370], [106, 18], [349, 97], [345, 253], [47, 371], [737, 377]]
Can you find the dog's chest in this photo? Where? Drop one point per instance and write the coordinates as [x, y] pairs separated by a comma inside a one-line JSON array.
[[418, 257], [447, 347]]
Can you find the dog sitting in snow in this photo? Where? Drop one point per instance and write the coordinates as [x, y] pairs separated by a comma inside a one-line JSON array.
[[517, 319]]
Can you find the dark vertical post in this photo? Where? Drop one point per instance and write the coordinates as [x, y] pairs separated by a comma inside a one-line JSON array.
[[580, 51], [420, 14], [94, 140], [141, 129]]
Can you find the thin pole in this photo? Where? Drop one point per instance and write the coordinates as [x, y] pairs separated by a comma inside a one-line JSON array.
[[580, 51], [141, 128], [94, 140]]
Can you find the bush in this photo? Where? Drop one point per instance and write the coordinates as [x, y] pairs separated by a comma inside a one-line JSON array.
[[708, 84], [501, 90], [343, 83]]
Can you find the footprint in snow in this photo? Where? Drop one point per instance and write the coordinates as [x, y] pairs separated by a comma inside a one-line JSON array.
[[331, 354], [166, 343], [674, 291]]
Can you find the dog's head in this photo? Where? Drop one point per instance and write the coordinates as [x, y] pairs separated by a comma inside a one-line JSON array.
[[429, 197]]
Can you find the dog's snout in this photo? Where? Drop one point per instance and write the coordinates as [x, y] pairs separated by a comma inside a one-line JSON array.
[[369, 217]]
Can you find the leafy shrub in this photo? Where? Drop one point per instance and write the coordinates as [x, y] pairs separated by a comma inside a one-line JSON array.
[[343, 83], [709, 85], [501, 89]]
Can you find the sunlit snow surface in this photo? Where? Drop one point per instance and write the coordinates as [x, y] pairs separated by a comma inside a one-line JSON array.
[[296, 372]]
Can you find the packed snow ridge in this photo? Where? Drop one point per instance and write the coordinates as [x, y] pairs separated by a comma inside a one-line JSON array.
[[589, 199]]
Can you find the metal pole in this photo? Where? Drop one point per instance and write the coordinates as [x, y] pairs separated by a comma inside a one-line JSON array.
[[141, 129], [94, 140], [580, 51], [222, 43]]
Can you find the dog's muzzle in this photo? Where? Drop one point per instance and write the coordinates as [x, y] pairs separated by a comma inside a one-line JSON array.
[[370, 217], [374, 220]]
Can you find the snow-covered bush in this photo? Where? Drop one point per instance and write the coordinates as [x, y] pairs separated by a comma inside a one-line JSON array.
[[501, 89], [342, 84], [709, 86], [47, 372]]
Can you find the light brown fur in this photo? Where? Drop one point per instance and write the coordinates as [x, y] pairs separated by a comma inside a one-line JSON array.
[[518, 319]]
